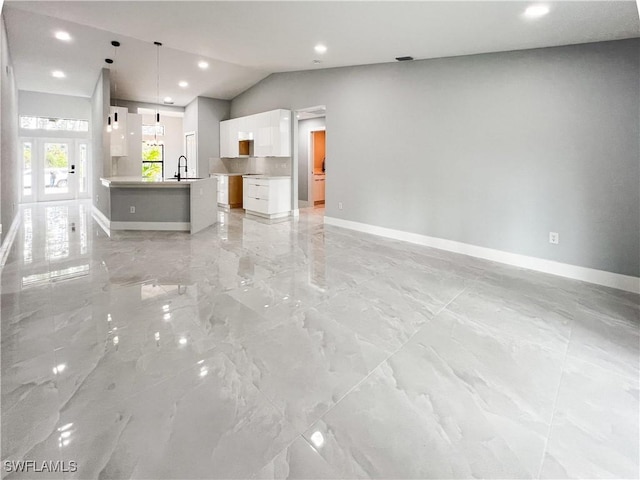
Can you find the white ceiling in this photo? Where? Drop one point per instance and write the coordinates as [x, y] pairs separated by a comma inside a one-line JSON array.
[[246, 41]]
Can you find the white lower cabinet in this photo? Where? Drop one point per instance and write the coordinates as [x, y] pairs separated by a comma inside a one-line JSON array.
[[267, 197]]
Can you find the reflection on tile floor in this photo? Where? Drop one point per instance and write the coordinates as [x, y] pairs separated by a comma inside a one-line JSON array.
[[300, 350]]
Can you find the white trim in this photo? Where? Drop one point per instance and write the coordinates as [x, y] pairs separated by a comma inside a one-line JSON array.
[[9, 239], [101, 219], [164, 226], [270, 216], [599, 277]]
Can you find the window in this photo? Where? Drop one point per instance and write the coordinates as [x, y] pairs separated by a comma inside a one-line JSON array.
[[56, 124], [152, 130], [27, 173], [152, 161]]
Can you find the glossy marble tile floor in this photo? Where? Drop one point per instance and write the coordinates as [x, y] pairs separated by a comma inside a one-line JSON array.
[[301, 350]]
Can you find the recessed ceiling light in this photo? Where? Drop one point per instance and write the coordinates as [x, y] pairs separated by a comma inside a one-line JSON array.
[[535, 11], [203, 65], [58, 74], [320, 48], [183, 84], [168, 99], [64, 36]]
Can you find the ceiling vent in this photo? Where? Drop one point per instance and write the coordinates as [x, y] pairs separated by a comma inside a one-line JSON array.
[[404, 59]]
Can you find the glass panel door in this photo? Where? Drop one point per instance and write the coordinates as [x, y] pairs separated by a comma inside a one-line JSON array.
[[27, 171], [58, 177], [83, 170]]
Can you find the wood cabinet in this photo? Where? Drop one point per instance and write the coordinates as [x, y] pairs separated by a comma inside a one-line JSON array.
[[230, 191], [119, 137], [268, 197]]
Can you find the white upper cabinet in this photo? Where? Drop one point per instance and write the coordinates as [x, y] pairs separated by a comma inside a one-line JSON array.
[[119, 137], [282, 144], [229, 147], [263, 143], [269, 131], [246, 128]]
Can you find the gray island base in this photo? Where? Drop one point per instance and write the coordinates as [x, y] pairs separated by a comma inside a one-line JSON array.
[[138, 204]]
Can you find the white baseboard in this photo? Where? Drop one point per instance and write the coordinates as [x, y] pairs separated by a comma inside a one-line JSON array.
[[9, 239], [599, 277], [164, 226], [101, 219]]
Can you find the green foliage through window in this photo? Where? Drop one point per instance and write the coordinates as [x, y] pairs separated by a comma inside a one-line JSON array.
[[152, 161]]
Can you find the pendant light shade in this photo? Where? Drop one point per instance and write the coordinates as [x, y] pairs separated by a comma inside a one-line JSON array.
[[113, 126], [158, 45], [115, 44]]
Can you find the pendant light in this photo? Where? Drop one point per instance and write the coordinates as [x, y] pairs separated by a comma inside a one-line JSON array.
[[155, 130], [109, 128], [115, 44], [158, 45]]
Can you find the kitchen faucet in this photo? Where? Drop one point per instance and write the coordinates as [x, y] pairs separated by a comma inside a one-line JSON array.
[[177, 175]]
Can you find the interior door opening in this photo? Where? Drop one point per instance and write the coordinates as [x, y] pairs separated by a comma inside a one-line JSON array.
[[312, 162]]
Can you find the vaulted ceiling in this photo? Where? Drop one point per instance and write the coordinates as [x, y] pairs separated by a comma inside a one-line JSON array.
[[244, 41]]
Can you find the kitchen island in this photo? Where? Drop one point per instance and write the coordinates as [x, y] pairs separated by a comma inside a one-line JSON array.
[[140, 204]]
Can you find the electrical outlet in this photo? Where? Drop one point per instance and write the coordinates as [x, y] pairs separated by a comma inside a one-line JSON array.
[[340, 205], [132, 209], [554, 238]]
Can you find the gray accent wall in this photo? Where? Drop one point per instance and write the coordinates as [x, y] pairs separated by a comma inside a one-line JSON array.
[[203, 116], [9, 168], [494, 150], [100, 142], [210, 112], [152, 204]]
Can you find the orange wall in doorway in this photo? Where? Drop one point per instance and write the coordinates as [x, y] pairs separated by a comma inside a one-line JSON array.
[[318, 151]]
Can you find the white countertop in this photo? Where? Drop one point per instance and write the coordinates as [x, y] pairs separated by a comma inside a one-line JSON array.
[[267, 177], [228, 174], [113, 182]]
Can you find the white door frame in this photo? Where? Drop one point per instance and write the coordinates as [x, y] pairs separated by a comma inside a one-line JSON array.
[[38, 168], [186, 154]]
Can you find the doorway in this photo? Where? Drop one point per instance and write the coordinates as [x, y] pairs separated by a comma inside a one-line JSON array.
[[54, 169], [317, 159], [312, 163]]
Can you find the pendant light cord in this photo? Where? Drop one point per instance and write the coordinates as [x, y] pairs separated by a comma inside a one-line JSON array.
[[157, 44]]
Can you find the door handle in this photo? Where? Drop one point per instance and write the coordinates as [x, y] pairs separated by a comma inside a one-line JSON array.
[[73, 169]]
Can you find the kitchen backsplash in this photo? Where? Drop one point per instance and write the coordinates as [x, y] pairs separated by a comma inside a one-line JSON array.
[[265, 166]]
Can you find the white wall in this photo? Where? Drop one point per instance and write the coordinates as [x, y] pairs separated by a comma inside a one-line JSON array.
[[56, 106], [100, 142], [173, 141], [9, 179]]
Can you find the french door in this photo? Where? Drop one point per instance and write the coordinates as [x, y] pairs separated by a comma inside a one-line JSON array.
[[54, 169]]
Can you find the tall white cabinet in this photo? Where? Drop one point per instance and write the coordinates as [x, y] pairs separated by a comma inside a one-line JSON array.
[[119, 138]]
